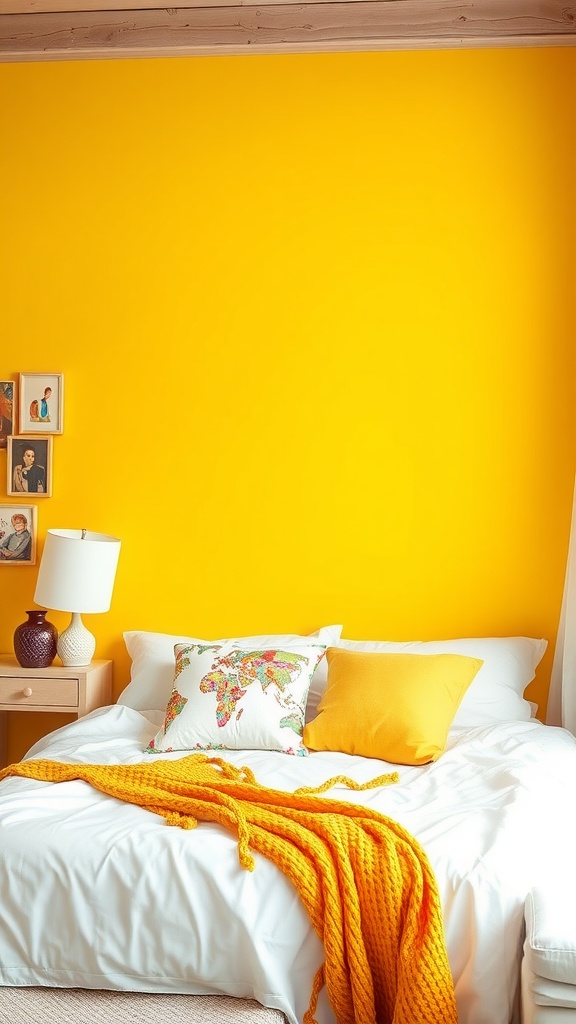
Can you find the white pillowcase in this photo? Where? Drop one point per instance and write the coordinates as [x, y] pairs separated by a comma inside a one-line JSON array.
[[496, 692], [152, 656], [232, 697]]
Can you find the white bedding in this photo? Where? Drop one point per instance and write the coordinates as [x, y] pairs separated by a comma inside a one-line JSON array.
[[96, 893]]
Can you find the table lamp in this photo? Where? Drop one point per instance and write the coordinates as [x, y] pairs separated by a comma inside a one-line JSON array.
[[76, 575]]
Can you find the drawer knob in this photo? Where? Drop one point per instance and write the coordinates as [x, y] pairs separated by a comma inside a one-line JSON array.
[[27, 691]]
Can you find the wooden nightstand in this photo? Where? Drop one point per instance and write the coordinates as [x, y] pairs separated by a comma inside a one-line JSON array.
[[75, 691]]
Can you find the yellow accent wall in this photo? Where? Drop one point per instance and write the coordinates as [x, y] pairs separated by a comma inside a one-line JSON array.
[[316, 319]]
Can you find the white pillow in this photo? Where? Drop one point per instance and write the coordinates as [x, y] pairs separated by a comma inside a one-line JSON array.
[[496, 692], [152, 656], [232, 697]]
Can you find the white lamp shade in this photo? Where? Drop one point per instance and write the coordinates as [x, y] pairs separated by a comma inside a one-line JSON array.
[[77, 571]]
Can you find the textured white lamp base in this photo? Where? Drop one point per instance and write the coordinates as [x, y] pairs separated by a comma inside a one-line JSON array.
[[76, 645]]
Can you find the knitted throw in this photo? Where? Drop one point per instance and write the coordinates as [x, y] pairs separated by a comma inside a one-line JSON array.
[[365, 882]]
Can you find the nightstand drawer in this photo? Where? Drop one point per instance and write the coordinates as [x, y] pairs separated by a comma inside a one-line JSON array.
[[75, 690], [56, 693]]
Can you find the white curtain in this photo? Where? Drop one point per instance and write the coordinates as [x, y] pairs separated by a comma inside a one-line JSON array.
[[562, 699]]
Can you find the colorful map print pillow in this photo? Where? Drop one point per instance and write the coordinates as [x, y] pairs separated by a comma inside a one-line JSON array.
[[227, 697]]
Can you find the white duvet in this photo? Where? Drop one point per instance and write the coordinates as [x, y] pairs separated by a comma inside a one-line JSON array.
[[96, 893]]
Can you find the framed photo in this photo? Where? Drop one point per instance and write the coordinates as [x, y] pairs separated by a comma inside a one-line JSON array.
[[7, 410], [29, 466], [41, 403], [18, 532]]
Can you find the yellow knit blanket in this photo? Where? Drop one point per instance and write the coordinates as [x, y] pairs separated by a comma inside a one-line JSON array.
[[365, 882]]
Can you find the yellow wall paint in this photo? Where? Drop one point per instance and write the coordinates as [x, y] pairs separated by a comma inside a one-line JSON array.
[[316, 319]]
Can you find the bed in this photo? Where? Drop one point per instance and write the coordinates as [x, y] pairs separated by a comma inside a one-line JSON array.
[[100, 894]]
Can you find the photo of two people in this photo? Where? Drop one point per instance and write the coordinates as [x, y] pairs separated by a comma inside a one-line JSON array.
[[41, 403]]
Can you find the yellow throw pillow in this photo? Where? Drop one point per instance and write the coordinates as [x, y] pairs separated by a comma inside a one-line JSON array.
[[396, 707]]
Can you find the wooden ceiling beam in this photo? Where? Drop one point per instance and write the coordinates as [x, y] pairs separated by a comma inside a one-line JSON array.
[[278, 27]]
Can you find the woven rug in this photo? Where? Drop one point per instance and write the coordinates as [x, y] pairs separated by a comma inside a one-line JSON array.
[[85, 1006]]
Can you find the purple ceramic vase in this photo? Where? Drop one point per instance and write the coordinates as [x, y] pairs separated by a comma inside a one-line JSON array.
[[35, 641]]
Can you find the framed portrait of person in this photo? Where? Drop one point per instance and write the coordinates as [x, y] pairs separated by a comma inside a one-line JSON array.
[[29, 466], [41, 403], [18, 532], [7, 411]]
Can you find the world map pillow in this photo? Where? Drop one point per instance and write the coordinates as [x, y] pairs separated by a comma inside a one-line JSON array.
[[228, 697], [152, 660]]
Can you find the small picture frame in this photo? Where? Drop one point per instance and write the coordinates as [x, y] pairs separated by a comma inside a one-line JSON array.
[[29, 466], [18, 531], [7, 410], [41, 403]]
